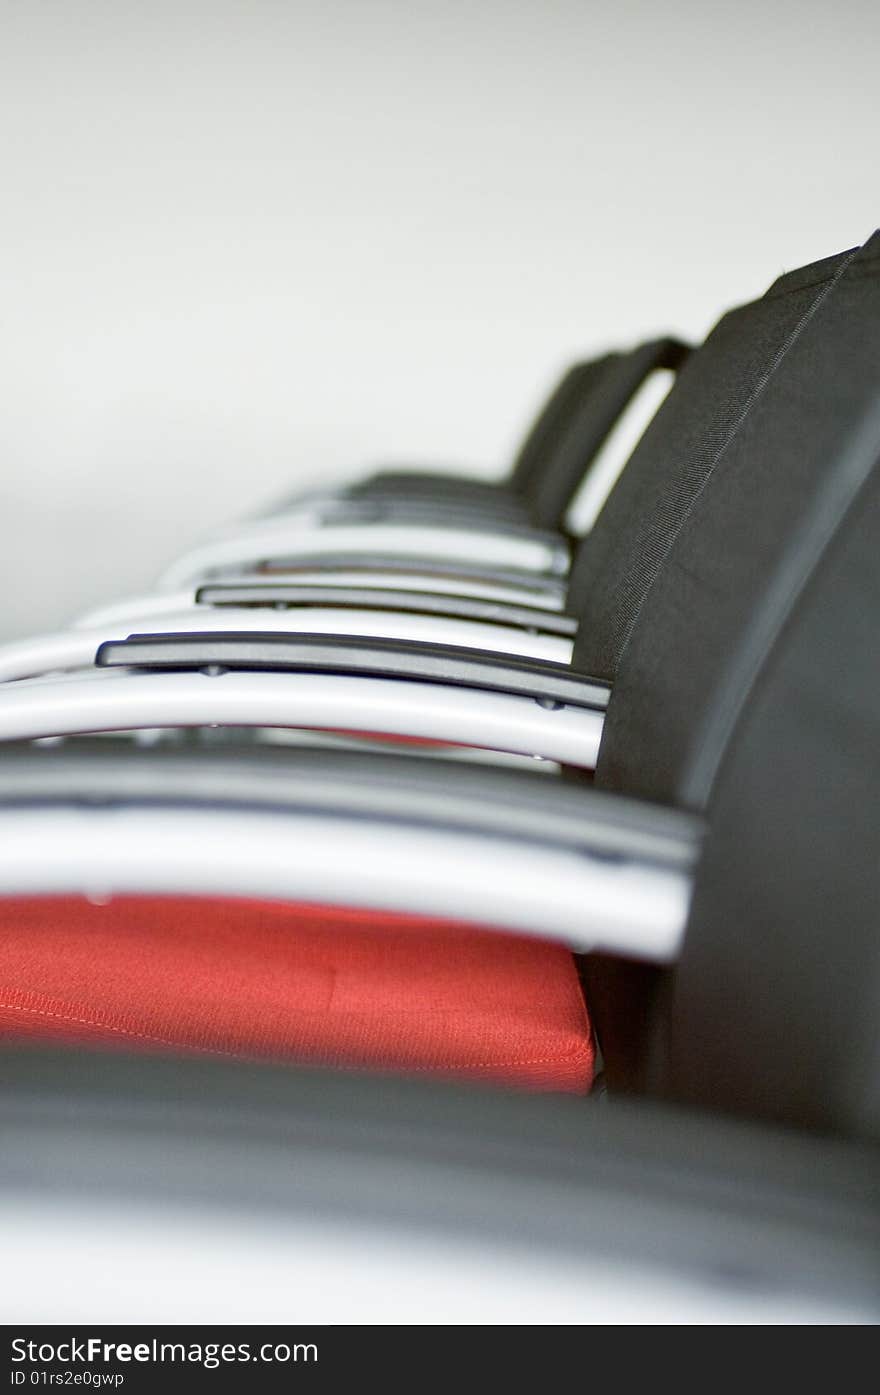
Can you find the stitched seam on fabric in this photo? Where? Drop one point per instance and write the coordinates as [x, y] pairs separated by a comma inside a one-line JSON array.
[[574, 1055], [99, 1024], [866, 267], [738, 424]]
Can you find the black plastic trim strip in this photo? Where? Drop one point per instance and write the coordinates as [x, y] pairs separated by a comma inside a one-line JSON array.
[[377, 658], [506, 520], [289, 595], [554, 587]]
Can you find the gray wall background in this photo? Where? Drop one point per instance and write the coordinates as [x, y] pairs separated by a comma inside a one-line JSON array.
[[249, 247]]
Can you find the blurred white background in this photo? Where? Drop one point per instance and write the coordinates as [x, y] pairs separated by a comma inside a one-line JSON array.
[[253, 246]]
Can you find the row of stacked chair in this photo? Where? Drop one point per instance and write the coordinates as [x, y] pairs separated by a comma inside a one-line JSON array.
[[681, 892]]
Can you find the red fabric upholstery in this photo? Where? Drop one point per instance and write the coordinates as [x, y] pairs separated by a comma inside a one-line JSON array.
[[301, 983]]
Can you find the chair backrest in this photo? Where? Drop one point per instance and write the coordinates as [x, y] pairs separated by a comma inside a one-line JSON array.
[[712, 564], [774, 1008], [575, 386], [747, 684], [558, 452], [686, 444]]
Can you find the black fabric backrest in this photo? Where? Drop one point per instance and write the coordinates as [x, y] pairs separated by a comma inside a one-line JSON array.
[[575, 386], [714, 704], [663, 737], [684, 445], [580, 417], [775, 1005]]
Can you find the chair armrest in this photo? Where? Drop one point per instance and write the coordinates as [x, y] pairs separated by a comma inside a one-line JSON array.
[[291, 595], [504, 848], [547, 683]]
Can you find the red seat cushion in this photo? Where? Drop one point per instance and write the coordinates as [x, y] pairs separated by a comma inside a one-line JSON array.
[[302, 983]]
